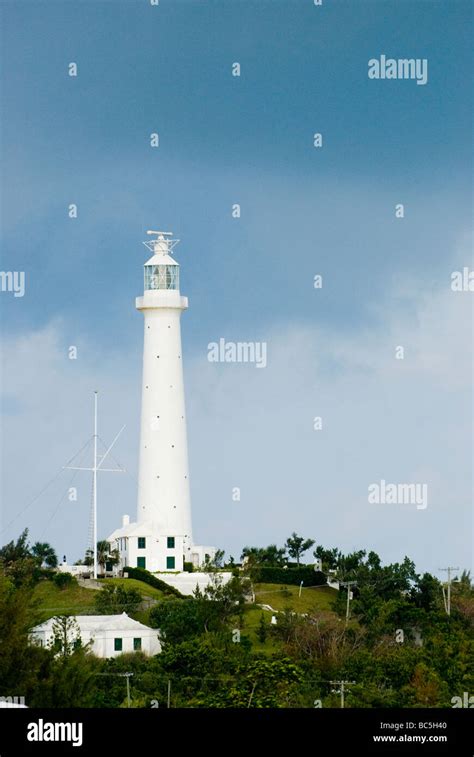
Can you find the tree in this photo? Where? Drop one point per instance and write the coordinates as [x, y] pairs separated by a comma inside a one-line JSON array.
[[21, 664], [296, 546], [463, 584], [216, 563], [178, 619], [17, 561], [66, 635], [262, 629], [219, 601], [328, 557], [45, 554], [106, 555], [426, 593], [64, 580], [114, 600], [12, 552], [271, 555], [89, 558]]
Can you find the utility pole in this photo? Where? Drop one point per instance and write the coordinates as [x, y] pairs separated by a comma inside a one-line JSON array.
[[251, 694], [168, 704], [97, 466], [341, 689], [349, 595], [121, 675], [447, 603], [127, 678]]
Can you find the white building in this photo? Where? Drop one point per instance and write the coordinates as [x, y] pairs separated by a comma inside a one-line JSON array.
[[111, 635], [161, 537]]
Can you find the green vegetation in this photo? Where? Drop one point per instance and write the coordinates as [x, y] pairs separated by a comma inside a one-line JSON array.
[[291, 576], [114, 600], [313, 598], [399, 646], [144, 575], [146, 591], [47, 600]]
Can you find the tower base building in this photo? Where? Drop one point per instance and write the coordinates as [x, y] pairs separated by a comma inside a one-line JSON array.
[[161, 537]]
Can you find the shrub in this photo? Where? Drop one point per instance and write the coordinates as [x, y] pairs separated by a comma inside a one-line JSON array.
[[178, 620], [293, 576], [113, 600], [63, 580], [141, 574], [188, 567]]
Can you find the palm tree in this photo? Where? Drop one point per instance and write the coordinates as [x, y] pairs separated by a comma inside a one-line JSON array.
[[296, 546], [104, 555], [44, 554]]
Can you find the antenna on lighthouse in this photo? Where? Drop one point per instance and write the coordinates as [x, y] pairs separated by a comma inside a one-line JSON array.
[[163, 244]]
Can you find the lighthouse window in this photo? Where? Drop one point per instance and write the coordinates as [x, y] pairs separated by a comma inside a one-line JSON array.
[[141, 542], [170, 542], [161, 277], [118, 645]]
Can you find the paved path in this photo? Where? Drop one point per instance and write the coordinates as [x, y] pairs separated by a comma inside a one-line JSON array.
[[89, 583]]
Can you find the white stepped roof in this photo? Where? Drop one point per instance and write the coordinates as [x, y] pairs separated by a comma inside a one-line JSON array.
[[95, 623], [161, 260], [133, 529]]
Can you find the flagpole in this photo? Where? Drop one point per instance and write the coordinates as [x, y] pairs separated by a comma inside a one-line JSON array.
[[94, 487]]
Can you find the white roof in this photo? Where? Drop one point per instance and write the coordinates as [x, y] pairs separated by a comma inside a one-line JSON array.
[[95, 623], [161, 260], [133, 529]]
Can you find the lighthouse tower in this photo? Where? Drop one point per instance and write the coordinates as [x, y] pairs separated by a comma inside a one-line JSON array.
[[163, 478], [161, 538]]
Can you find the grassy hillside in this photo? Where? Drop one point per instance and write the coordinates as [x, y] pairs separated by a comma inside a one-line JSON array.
[[48, 600], [281, 597], [147, 591], [313, 598], [252, 617]]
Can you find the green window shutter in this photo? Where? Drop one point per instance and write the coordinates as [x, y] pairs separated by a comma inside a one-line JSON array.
[[118, 645], [141, 542], [141, 562], [170, 563], [170, 542], [137, 645]]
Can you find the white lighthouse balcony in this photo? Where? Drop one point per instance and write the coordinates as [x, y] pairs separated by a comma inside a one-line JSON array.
[[161, 298]]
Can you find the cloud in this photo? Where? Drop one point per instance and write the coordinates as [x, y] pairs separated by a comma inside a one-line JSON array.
[[399, 420]]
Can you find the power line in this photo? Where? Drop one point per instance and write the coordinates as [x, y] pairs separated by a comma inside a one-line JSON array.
[[341, 690], [43, 489], [61, 499]]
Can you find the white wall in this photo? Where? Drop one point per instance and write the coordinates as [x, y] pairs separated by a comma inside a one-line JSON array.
[[103, 641], [163, 479]]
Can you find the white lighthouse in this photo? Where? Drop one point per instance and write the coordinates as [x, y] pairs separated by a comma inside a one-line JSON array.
[[161, 537]]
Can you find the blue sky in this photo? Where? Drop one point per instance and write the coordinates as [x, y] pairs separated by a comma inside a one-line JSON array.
[[247, 140]]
